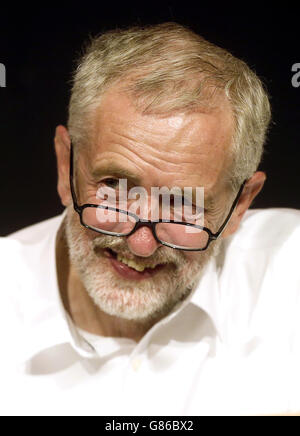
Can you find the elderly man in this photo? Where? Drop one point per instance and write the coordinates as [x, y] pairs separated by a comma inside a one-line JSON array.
[[107, 310]]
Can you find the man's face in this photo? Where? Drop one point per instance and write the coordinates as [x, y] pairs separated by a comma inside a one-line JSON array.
[[183, 150]]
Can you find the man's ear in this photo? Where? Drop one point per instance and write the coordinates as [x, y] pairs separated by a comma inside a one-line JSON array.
[[252, 188], [62, 149]]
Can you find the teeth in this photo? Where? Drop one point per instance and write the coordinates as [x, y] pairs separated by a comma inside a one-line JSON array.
[[133, 264]]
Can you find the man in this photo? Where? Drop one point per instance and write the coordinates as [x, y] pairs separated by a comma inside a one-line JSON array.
[[108, 311]]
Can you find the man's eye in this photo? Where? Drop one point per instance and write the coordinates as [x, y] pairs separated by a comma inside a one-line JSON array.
[[111, 182]]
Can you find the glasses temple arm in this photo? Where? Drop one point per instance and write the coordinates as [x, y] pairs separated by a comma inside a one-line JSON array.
[[226, 222], [76, 207]]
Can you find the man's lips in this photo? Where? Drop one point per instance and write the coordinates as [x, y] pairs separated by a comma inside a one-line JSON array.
[[126, 271]]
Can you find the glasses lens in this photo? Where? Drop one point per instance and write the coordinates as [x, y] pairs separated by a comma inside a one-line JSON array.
[[112, 222], [108, 221], [185, 237]]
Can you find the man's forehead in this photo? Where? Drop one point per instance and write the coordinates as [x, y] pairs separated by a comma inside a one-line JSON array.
[[118, 106], [191, 146]]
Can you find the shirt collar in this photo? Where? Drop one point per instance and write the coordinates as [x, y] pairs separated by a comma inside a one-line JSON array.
[[46, 323], [206, 295]]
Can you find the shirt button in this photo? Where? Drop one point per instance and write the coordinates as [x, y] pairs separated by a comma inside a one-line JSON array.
[[136, 364]]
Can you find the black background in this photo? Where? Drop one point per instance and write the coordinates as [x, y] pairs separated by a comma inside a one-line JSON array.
[[39, 45]]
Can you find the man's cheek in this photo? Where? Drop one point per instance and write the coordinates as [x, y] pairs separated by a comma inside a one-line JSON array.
[[89, 235], [193, 256]]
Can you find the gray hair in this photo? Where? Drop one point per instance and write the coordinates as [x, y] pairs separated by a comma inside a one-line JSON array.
[[168, 67]]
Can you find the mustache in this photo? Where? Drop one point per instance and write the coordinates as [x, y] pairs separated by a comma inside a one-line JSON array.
[[119, 245]]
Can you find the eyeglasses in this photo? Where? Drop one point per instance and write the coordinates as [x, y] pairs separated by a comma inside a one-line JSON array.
[[171, 233]]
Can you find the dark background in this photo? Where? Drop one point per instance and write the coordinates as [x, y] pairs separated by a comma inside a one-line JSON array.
[[39, 46]]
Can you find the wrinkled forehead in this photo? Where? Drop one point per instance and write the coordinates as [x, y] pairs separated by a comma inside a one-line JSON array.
[[187, 144]]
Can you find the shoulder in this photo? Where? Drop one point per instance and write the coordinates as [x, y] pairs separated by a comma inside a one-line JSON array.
[[267, 229], [26, 256], [27, 275], [260, 273], [36, 232], [267, 240], [9, 252], [11, 274], [22, 251]]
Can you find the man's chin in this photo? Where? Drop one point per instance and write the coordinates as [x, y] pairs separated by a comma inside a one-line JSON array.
[[129, 298]]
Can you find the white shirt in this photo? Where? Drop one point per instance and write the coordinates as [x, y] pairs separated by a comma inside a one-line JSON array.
[[232, 348]]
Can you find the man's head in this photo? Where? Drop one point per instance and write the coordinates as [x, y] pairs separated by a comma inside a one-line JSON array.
[[170, 109]]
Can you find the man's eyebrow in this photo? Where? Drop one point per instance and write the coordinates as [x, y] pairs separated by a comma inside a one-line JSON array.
[[117, 171], [114, 170], [208, 201]]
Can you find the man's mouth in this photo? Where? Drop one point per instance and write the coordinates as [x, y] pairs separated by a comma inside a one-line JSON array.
[[129, 268]]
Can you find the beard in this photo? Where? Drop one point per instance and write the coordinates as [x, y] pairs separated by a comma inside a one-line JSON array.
[[136, 300]]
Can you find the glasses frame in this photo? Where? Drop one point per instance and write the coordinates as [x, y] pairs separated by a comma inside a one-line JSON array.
[[146, 223]]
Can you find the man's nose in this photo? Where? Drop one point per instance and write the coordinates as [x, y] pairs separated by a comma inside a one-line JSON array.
[[142, 242]]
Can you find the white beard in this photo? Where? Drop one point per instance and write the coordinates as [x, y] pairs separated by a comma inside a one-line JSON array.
[[128, 299]]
